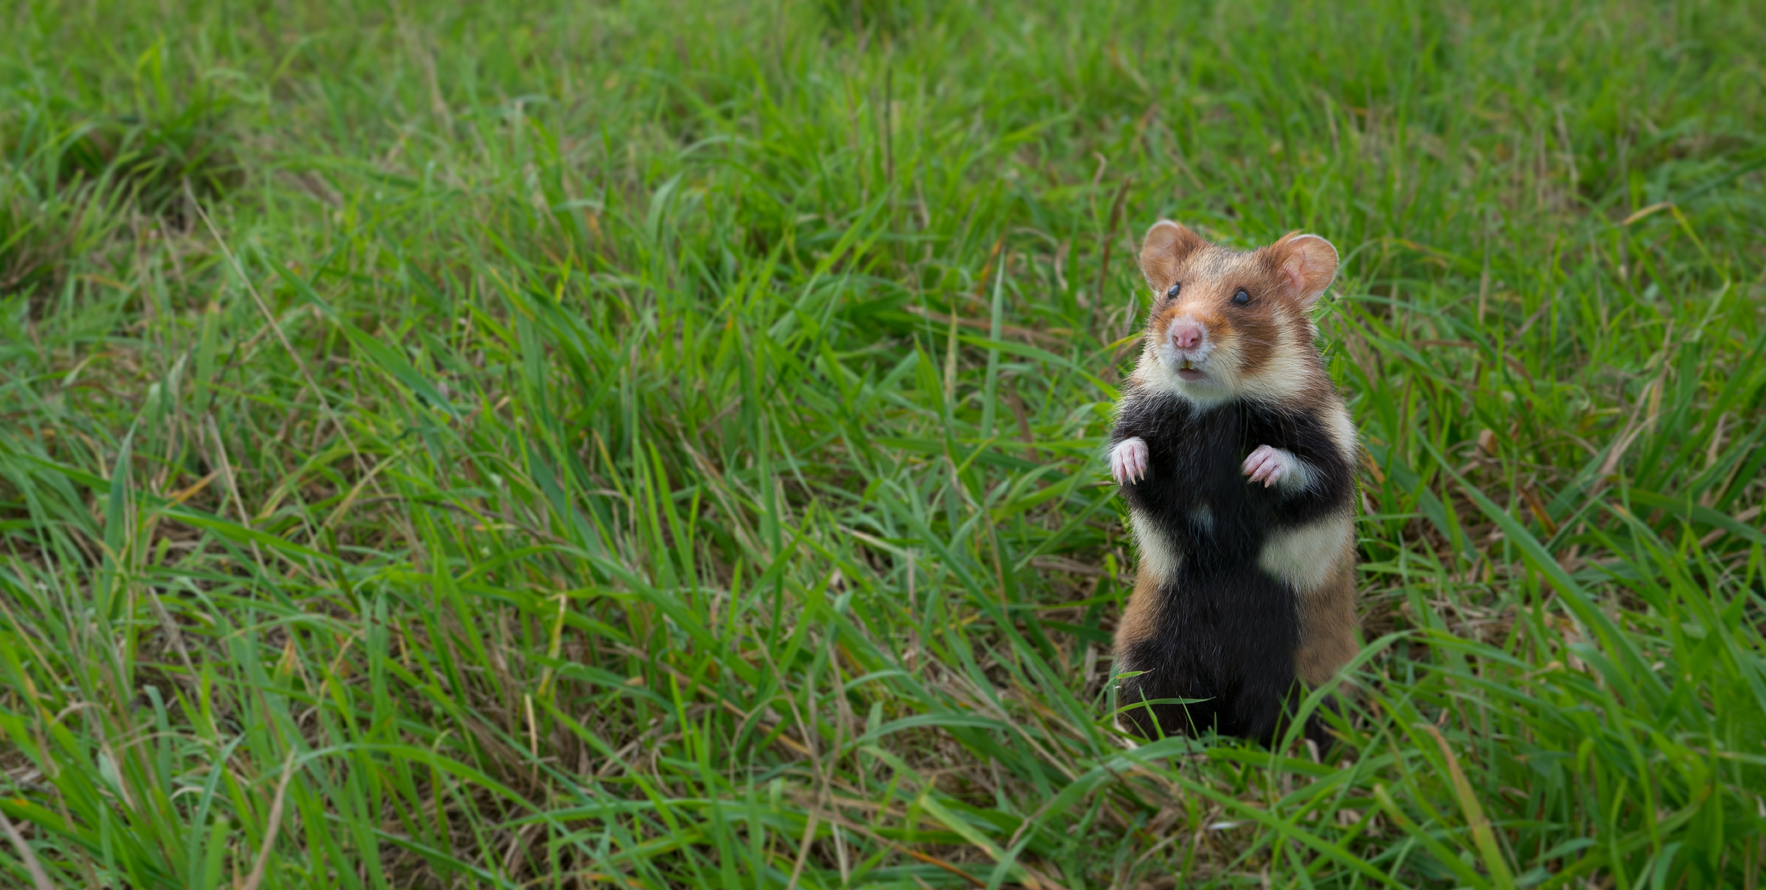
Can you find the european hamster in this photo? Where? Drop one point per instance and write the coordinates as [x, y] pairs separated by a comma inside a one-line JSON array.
[[1235, 454]]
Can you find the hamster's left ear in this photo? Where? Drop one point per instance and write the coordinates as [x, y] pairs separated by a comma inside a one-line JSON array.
[[1307, 264]]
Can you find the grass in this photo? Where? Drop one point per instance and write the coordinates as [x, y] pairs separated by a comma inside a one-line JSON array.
[[653, 445]]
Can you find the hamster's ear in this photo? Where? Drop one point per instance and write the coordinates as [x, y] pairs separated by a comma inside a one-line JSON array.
[[1307, 264], [1166, 246]]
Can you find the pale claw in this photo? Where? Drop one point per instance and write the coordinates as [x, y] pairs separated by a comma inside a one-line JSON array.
[[1128, 461], [1269, 465]]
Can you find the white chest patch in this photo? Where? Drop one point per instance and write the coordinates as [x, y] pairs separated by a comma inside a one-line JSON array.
[[1306, 557], [1203, 517], [1159, 556]]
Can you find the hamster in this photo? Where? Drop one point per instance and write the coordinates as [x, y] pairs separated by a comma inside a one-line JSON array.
[[1236, 456]]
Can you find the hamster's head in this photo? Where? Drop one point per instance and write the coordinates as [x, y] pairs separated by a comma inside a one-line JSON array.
[[1228, 324]]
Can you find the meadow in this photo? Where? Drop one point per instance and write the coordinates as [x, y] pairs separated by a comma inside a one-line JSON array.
[[657, 444]]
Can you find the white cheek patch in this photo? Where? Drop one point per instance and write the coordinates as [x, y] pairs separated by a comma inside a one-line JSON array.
[[1308, 556], [1157, 369], [1284, 376], [1164, 357], [1166, 353], [1159, 557]]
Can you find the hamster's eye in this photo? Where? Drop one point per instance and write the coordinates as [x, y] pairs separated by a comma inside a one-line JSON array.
[[1241, 298], [1174, 289]]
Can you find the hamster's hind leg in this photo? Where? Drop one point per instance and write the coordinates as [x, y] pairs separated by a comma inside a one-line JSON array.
[[1259, 633], [1153, 645]]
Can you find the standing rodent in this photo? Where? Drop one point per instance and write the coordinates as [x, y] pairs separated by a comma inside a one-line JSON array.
[[1235, 454]]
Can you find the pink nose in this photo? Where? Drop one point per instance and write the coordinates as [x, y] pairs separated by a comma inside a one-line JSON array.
[[1187, 335]]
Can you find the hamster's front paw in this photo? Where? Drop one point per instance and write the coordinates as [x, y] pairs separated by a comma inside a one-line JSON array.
[[1272, 465], [1128, 461]]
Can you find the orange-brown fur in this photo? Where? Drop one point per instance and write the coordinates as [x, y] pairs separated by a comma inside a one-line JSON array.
[[1328, 625], [1140, 618]]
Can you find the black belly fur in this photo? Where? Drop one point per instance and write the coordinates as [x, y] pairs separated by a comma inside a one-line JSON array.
[[1226, 640], [1227, 631]]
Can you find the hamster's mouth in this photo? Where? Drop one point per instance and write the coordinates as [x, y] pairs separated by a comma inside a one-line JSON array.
[[1189, 372]]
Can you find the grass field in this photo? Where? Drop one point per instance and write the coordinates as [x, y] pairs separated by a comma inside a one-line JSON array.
[[657, 444]]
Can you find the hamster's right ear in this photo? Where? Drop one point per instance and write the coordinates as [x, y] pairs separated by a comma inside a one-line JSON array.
[[1166, 246]]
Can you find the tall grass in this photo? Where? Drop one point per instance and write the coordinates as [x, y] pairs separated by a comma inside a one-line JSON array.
[[656, 444]]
